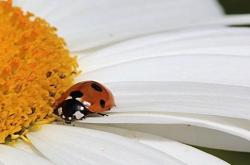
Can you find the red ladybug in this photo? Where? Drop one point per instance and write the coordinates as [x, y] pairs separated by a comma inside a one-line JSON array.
[[82, 99]]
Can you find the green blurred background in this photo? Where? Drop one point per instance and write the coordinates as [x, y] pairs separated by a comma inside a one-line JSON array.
[[234, 158], [235, 6]]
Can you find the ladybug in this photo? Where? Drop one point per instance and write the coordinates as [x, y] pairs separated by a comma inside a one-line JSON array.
[[82, 99]]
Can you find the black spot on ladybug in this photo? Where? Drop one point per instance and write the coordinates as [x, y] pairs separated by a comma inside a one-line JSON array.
[[96, 87], [102, 103], [76, 94]]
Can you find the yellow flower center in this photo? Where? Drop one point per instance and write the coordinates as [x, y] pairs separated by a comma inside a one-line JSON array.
[[35, 68]]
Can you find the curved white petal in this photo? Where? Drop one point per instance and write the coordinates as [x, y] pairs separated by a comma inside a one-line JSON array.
[[202, 68], [199, 68], [178, 150], [69, 145], [202, 59], [207, 41], [151, 102], [234, 19], [86, 23], [175, 40], [193, 135], [237, 128], [186, 97], [21, 145], [10, 155]]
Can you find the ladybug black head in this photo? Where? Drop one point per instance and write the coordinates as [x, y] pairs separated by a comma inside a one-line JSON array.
[[71, 109]]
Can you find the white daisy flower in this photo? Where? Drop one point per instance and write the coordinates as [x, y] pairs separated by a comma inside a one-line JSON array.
[[178, 72]]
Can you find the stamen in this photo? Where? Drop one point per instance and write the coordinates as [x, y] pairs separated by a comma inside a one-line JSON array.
[[32, 58], [46, 121], [25, 139]]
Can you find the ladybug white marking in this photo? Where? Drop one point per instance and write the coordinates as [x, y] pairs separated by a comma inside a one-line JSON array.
[[69, 97], [78, 115], [87, 104], [59, 110], [79, 99]]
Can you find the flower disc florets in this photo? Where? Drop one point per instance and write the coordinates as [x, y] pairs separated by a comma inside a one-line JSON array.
[[36, 67]]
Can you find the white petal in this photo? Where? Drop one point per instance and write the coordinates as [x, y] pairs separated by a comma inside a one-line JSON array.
[[198, 68], [192, 135], [185, 153], [86, 23], [21, 145], [151, 102], [237, 128], [157, 63], [186, 97], [10, 155], [234, 19], [71, 145], [174, 40], [226, 41]]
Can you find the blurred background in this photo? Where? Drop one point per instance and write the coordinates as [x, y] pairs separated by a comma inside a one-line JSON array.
[[235, 6]]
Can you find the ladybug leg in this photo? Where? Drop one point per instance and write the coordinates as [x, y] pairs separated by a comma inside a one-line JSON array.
[[102, 114], [86, 112], [68, 121], [82, 118]]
